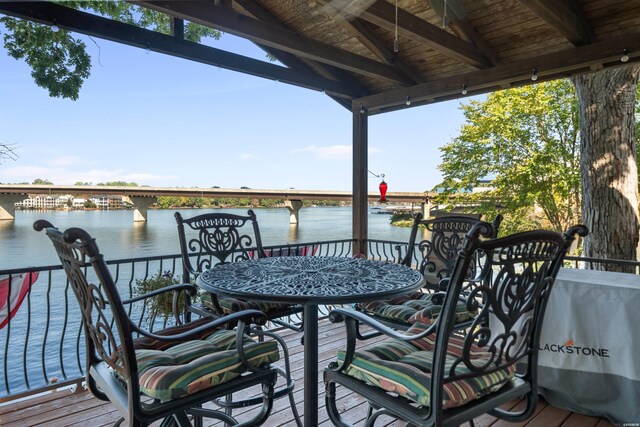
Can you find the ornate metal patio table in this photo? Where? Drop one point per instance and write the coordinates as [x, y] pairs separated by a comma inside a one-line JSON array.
[[311, 281]]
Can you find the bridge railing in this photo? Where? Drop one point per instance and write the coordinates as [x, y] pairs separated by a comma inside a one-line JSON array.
[[42, 346]]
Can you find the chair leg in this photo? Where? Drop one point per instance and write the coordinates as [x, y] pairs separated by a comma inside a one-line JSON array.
[[290, 382]]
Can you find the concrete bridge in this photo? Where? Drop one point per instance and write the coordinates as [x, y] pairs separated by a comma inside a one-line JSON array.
[[141, 198]]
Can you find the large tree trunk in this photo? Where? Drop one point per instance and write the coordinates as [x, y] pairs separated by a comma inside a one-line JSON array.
[[606, 101]]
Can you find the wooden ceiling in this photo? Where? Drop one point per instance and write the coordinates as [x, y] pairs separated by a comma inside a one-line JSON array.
[[347, 48]]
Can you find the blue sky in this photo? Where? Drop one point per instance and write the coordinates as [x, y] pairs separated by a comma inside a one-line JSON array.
[[163, 121]]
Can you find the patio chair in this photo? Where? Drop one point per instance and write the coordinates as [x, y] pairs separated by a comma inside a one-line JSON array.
[[162, 375], [435, 259], [219, 238], [438, 375]]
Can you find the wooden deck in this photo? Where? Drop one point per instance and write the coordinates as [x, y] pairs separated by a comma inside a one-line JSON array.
[[66, 408]]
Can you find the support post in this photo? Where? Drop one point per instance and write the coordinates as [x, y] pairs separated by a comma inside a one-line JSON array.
[[360, 188], [140, 206], [8, 206], [294, 207]]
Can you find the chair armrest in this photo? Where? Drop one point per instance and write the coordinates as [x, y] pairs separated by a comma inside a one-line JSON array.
[[352, 320], [348, 315], [189, 288], [244, 317]]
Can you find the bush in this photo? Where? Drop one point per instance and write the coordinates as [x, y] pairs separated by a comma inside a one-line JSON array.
[[160, 304]]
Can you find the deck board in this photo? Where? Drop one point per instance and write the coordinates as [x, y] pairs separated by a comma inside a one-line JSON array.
[[67, 408]]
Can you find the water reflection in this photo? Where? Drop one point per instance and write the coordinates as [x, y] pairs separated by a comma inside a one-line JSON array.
[[293, 233]]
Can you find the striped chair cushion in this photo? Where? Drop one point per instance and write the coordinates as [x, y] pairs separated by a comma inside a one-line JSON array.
[[405, 368], [419, 307], [147, 343], [232, 305], [196, 365]]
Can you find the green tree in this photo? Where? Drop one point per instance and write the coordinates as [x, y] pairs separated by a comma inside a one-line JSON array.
[[118, 184], [527, 140], [60, 62], [39, 181]]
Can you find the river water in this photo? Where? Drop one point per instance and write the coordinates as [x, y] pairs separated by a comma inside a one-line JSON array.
[[119, 237]]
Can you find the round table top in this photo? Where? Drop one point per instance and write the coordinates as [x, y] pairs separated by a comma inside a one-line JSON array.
[[311, 279]]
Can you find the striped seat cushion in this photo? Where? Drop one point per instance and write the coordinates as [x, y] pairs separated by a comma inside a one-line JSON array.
[[192, 366], [148, 343], [405, 368], [232, 305], [419, 307]]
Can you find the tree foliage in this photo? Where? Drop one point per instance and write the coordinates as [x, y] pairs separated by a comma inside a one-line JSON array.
[[59, 61], [527, 141], [40, 181]]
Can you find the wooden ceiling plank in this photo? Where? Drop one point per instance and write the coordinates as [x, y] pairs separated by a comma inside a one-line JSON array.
[[565, 17], [93, 25], [382, 14], [465, 30], [549, 66], [296, 63], [227, 20], [361, 30]]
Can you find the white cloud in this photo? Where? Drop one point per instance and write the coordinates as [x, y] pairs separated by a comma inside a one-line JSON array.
[[332, 152], [248, 156], [67, 176], [62, 161]]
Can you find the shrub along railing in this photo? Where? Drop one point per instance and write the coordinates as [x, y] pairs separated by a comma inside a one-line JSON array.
[[43, 344]]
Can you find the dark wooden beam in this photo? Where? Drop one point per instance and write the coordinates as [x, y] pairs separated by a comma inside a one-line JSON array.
[[551, 66], [363, 32], [227, 20], [382, 14], [177, 28], [565, 16], [93, 25], [292, 61], [360, 175]]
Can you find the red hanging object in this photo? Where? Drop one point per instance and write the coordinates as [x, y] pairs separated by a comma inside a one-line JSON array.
[[383, 191]]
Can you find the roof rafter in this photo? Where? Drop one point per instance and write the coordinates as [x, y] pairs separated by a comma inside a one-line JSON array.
[[363, 32], [382, 14], [296, 63], [108, 29], [227, 20], [550, 66], [566, 17]]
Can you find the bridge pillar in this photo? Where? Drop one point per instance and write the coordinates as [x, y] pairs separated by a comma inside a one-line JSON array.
[[140, 206], [8, 205], [294, 208], [425, 209]]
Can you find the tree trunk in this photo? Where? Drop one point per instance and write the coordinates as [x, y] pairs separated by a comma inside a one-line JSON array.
[[606, 100]]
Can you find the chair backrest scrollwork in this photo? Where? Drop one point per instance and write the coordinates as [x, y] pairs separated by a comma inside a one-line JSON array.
[[437, 254], [217, 238]]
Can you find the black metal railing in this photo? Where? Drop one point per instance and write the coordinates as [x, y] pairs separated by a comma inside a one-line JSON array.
[[42, 346]]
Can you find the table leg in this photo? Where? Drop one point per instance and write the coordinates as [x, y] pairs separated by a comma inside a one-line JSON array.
[[310, 365]]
